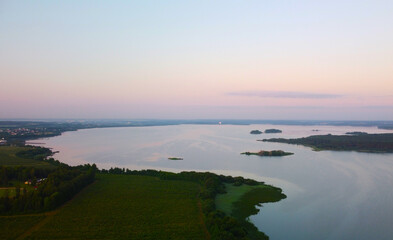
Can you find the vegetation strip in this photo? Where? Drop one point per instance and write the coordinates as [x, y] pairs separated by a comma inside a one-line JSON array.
[[12, 156], [240, 201], [273, 153], [372, 143]]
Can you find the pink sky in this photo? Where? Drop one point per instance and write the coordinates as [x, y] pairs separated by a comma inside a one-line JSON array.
[[261, 60]]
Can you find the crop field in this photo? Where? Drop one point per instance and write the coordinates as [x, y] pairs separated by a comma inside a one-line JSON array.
[[8, 157], [13, 226], [121, 207]]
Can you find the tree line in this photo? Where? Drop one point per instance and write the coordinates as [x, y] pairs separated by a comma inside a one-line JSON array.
[[363, 142], [9, 174], [59, 186]]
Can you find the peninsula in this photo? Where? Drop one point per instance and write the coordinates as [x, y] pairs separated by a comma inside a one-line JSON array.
[[356, 133], [372, 143]]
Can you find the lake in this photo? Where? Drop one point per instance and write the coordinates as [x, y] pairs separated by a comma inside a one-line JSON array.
[[331, 195]]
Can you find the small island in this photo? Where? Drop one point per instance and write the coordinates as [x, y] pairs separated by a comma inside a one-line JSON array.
[[255, 132], [272, 130], [175, 158], [273, 153]]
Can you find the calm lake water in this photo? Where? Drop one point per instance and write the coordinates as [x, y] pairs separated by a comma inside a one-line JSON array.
[[331, 195]]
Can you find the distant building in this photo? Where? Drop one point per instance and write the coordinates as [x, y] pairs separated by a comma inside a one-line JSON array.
[[3, 141]]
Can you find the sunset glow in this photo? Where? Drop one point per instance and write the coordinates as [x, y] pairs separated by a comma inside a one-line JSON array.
[[221, 59]]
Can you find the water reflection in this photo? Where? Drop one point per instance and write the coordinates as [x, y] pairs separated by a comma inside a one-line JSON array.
[[331, 195]]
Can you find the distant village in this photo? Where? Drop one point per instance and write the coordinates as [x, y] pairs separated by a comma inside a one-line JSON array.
[[13, 135], [21, 131]]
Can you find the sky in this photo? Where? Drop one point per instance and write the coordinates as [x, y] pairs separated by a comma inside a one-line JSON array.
[[309, 60]]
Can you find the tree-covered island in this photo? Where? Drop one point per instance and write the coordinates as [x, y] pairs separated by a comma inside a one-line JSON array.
[[273, 130], [372, 143], [273, 153], [255, 132]]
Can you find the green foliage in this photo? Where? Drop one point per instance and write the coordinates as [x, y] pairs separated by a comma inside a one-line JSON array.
[[377, 143], [59, 186], [255, 132], [245, 206], [145, 204], [219, 225], [9, 175], [273, 153], [233, 193], [38, 153], [25, 156], [240, 201], [129, 207], [272, 130]]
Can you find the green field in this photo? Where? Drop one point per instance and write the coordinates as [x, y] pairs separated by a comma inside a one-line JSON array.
[[224, 201], [8, 157], [13, 226], [120, 207]]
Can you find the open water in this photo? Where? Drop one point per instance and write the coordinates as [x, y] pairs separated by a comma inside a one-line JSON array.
[[331, 195]]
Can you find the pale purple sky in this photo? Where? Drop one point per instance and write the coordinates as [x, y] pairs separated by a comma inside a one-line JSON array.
[[328, 60]]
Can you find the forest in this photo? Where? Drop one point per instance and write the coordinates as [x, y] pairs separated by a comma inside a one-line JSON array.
[[373, 143], [50, 188], [273, 153]]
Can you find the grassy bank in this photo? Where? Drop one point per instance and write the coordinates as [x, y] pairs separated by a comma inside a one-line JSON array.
[[240, 202], [9, 157]]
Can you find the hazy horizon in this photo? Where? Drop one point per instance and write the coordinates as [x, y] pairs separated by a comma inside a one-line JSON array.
[[302, 60]]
